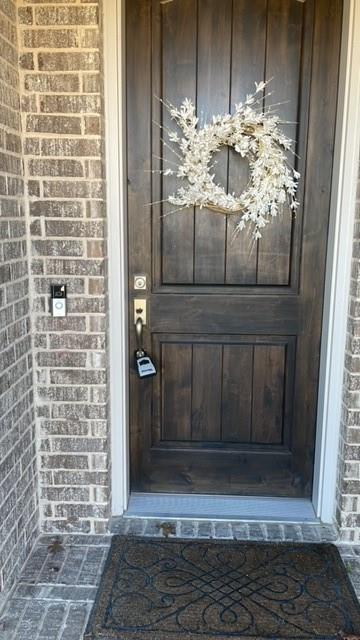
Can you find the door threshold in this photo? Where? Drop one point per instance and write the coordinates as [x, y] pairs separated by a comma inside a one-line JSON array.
[[210, 507]]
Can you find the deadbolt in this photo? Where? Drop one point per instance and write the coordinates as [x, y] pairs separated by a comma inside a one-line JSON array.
[[140, 283]]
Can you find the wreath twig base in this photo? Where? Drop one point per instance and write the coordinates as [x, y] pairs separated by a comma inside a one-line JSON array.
[[217, 209]]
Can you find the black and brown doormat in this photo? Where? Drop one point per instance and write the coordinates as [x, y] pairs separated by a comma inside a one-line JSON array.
[[169, 589]]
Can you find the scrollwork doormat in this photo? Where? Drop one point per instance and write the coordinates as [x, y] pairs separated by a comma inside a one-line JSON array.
[[171, 589]]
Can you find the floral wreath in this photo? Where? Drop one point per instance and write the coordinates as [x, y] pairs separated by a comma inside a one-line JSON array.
[[252, 133]]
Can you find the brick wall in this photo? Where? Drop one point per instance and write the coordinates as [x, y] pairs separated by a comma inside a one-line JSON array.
[[62, 126], [348, 493], [18, 478], [61, 84]]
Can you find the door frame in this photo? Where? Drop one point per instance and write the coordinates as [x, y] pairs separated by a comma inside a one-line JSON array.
[[343, 196]]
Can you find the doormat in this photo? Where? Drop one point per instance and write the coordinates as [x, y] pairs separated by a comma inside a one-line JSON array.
[[170, 589]]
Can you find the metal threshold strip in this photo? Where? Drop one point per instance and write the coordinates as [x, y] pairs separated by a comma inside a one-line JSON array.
[[198, 507]]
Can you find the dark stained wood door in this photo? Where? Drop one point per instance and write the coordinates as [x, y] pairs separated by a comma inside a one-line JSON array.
[[234, 329]]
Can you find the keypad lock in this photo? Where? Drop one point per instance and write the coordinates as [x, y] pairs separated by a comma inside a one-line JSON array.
[[144, 365]]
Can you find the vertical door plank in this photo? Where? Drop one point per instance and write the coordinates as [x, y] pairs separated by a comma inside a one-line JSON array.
[[206, 389], [176, 391], [283, 64], [138, 97], [237, 393], [213, 97], [139, 137], [248, 67], [179, 55], [268, 393], [322, 110]]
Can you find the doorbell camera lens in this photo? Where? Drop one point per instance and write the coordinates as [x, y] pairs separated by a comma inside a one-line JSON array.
[[58, 291]]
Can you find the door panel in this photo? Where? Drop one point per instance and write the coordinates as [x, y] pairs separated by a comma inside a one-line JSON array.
[[220, 72], [222, 389], [234, 325]]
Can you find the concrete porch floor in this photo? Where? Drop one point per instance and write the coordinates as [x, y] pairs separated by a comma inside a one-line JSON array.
[[56, 590]]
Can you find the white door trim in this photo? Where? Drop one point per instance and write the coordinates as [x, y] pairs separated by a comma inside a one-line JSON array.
[[338, 267], [115, 141]]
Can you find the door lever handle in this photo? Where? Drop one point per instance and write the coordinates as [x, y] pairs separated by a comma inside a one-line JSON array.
[[139, 334], [140, 352]]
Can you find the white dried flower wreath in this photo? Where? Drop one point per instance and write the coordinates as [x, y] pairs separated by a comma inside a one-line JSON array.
[[252, 133]]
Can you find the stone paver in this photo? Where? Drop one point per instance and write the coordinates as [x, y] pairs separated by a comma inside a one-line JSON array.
[[57, 587], [56, 590]]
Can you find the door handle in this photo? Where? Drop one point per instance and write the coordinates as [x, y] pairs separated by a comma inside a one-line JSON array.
[[139, 334]]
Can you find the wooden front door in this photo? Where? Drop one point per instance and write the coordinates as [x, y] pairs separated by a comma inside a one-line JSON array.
[[233, 328]]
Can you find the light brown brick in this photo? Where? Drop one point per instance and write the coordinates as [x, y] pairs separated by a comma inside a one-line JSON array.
[[66, 15], [25, 15], [75, 267], [57, 209], [48, 167], [53, 124], [90, 39], [70, 147], [74, 229], [95, 249], [58, 248], [73, 376], [48, 39], [26, 61], [96, 286], [70, 104], [92, 125], [45, 82], [91, 83], [69, 61], [73, 189], [65, 462]]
